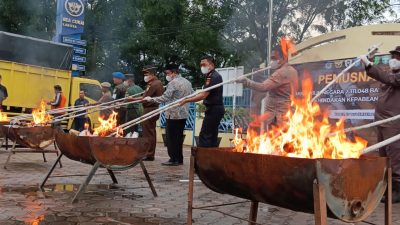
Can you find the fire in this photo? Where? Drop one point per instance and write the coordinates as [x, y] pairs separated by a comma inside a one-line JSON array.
[[40, 116], [3, 116], [287, 46], [305, 133], [107, 126]]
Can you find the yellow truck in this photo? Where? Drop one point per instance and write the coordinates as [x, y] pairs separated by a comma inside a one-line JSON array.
[[30, 68]]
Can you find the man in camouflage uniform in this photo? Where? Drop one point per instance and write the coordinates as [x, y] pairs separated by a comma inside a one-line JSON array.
[[134, 109]]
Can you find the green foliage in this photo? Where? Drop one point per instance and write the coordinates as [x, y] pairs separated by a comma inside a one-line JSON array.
[[28, 17]]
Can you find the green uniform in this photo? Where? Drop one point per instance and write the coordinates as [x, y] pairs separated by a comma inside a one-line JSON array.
[[133, 110]]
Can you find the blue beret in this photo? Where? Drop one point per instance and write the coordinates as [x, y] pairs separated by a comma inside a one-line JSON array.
[[118, 75]]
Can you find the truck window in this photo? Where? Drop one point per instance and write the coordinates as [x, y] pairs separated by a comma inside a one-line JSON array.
[[91, 91]]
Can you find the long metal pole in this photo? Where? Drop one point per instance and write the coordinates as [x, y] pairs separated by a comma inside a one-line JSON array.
[[176, 103], [372, 49]]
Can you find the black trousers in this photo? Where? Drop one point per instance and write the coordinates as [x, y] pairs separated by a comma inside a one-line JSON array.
[[209, 130], [79, 123], [174, 134], [392, 151]]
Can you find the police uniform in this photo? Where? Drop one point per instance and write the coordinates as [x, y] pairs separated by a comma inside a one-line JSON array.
[[214, 111]]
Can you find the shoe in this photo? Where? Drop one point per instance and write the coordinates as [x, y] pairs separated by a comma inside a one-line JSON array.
[[169, 163], [148, 158]]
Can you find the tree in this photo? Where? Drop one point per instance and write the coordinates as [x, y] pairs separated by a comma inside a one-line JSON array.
[[247, 30], [28, 17]]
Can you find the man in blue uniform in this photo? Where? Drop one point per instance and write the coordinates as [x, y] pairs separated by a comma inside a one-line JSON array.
[[79, 121], [213, 101]]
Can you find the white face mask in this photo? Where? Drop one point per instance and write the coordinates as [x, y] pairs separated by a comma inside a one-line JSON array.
[[126, 83], [146, 79], [274, 64], [168, 78], [394, 64], [205, 70]]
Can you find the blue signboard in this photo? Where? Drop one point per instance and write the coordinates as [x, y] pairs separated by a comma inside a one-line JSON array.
[[78, 67], [69, 27], [73, 41], [79, 59], [81, 67], [70, 16], [80, 51]]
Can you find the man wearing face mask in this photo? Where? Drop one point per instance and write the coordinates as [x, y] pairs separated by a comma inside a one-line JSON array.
[[388, 106], [213, 101], [280, 86], [154, 89], [177, 88]]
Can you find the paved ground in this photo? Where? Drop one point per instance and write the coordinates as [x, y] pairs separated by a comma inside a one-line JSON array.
[[131, 202]]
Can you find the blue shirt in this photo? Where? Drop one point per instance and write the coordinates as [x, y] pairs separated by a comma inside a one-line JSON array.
[[79, 102]]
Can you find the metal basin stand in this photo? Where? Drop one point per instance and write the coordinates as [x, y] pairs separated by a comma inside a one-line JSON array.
[[115, 154], [346, 189]]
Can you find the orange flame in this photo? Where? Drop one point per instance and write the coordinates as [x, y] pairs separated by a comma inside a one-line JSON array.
[[40, 116], [287, 46], [3, 116], [107, 126], [304, 134]]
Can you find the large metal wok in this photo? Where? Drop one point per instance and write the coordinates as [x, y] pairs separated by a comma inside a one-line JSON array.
[[38, 137], [33, 139], [74, 147], [353, 187], [112, 153]]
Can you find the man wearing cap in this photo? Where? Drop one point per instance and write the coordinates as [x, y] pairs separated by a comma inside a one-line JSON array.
[[118, 93], [388, 106], [177, 88], [213, 101], [154, 89], [134, 109], [106, 97]]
